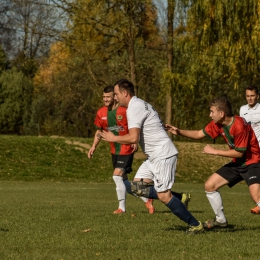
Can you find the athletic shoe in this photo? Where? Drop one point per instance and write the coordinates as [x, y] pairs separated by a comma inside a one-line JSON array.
[[149, 205], [255, 210], [195, 229], [185, 199], [118, 211], [211, 223]]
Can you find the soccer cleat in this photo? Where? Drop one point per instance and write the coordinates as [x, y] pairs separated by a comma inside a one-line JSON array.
[[211, 223], [118, 211], [149, 205], [185, 199], [195, 229], [255, 210]]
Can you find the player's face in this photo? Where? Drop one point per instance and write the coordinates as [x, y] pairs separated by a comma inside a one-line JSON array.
[[108, 99], [251, 97], [119, 96], [216, 115]]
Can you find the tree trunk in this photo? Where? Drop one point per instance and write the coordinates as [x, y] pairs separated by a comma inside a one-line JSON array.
[[170, 16]]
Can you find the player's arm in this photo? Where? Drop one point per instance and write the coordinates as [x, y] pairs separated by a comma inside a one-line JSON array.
[[131, 138], [96, 141], [225, 153], [193, 134]]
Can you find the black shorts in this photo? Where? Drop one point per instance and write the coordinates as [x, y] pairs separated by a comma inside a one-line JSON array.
[[123, 162], [235, 173]]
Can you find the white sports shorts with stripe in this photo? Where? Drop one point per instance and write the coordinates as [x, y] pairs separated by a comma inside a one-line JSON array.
[[162, 172]]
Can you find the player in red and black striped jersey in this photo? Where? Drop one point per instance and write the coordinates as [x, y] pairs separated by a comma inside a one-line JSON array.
[[243, 149], [112, 117]]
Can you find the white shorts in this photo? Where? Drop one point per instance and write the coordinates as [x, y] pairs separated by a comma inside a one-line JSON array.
[[162, 172]]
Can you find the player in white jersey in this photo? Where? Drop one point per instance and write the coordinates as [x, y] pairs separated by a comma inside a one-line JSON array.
[[251, 111], [146, 128]]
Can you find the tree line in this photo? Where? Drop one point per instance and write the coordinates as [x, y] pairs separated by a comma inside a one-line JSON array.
[[56, 56]]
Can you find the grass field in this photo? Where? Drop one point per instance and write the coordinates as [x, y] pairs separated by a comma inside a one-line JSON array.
[[52, 220], [65, 159], [58, 204]]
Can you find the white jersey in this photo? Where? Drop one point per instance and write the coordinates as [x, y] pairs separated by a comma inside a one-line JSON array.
[[154, 140], [252, 116]]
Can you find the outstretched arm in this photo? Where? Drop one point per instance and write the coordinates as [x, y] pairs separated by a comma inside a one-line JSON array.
[[193, 134], [96, 141]]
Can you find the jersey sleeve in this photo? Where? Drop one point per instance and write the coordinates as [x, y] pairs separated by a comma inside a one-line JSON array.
[[98, 121], [211, 130], [136, 117]]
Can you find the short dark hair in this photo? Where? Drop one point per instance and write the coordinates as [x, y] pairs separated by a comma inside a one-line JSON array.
[[222, 104], [252, 88], [108, 89], [127, 85]]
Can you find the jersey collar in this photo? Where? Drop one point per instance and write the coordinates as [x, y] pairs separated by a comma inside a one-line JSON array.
[[255, 107]]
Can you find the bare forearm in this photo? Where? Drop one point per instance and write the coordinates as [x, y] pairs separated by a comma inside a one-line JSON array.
[[97, 139], [125, 139], [225, 153], [193, 134]]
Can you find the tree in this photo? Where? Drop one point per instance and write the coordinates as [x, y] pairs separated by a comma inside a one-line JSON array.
[[27, 29], [15, 100]]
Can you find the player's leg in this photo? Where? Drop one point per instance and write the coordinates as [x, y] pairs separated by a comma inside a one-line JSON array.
[[164, 173], [128, 159], [251, 174], [120, 190], [216, 181]]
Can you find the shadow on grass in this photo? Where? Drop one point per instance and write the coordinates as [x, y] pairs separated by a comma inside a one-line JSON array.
[[4, 230], [229, 228]]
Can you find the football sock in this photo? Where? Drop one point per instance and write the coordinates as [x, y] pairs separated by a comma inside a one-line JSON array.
[[120, 191], [128, 189], [215, 201], [178, 209], [153, 194]]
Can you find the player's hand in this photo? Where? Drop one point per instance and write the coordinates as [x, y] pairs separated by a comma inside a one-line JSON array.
[[135, 147], [91, 152], [209, 150], [107, 136], [172, 129]]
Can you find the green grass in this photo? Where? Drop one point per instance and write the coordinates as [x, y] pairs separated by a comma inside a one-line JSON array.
[[59, 159], [47, 220], [51, 193]]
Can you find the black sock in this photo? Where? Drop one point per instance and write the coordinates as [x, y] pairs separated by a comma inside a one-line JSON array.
[[153, 194], [178, 209]]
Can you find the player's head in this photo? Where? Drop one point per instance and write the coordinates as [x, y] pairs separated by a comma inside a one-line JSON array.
[[124, 90], [108, 96], [251, 95], [220, 108]]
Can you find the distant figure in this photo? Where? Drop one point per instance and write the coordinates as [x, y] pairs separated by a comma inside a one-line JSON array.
[[251, 111], [112, 117]]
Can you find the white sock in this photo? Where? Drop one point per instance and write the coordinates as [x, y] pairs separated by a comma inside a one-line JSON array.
[[128, 189], [215, 201], [258, 204], [120, 191]]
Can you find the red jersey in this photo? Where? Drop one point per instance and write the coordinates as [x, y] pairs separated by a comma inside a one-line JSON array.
[[239, 136], [116, 122]]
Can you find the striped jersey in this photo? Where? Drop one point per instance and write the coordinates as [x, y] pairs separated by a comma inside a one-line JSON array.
[[116, 122], [239, 136]]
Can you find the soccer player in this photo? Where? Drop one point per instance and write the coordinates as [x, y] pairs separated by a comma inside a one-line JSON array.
[[243, 149], [251, 111], [113, 117], [146, 128]]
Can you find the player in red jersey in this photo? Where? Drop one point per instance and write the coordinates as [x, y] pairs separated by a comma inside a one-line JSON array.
[[243, 149], [113, 118]]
